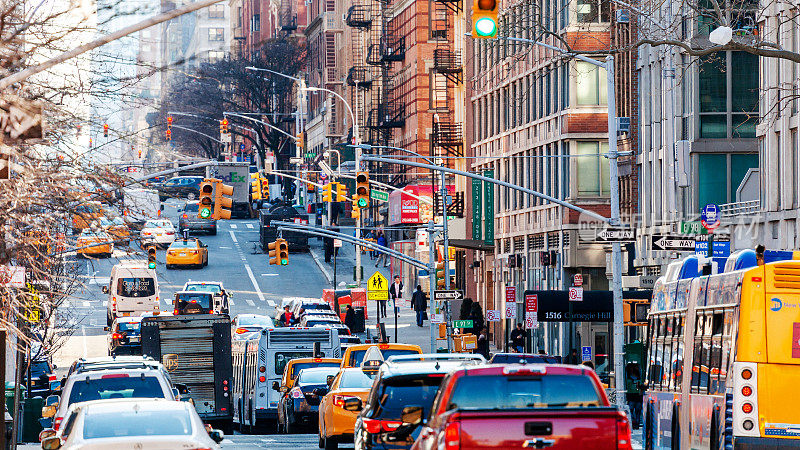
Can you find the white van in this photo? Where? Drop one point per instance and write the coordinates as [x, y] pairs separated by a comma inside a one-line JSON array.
[[132, 290]]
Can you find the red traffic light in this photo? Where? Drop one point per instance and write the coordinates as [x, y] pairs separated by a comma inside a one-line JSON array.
[[105, 129], [169, 120]]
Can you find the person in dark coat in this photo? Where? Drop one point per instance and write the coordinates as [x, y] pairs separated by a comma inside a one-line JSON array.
[[483, 343], [518, 338], [350, 317], [476, 316], [420, 304]]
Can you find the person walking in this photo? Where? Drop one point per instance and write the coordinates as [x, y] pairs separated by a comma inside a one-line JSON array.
[[483, 343], [572, 358], [518, 338], [381, 241], [420, 305], [396, 291], [350, 317], [476, 316]]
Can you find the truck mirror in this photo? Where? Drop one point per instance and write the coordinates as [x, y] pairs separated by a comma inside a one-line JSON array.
[[276, 386]]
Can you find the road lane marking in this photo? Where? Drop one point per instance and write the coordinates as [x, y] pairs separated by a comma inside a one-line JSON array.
[[269, 274], [250, 272], [233, 226], [250, 302], [86, 304], [250, 225], [233, 236], [226, 248]]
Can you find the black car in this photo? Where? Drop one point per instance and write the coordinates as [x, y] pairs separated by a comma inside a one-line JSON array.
[[41, 374], [125, 337], [300, 405], [523, 358], [181, 187]]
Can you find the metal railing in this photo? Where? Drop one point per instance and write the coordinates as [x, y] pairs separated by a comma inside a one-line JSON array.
[[734, 209]]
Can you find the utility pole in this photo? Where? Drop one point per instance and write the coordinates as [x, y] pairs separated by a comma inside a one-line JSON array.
[[431, 271], [446, 243]]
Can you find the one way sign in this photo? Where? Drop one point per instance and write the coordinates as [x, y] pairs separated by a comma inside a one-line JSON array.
[[615, 235], [679, 243]]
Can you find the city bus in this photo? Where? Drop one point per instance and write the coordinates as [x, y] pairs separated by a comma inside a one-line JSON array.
[[259, 362], [723, 354]]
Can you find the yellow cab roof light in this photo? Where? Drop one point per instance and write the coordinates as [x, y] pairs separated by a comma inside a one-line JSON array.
[[373, 359]]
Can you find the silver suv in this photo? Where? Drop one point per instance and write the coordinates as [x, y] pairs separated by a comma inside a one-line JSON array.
[[188, 219]]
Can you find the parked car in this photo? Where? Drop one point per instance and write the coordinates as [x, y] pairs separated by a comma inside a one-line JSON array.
[[109, 384], [187, 252], [133, 423], [160, 232], [125, 336], [187, 187], [397, 387], [41, 375], [95, 243], [188, 219], [336, 423], [299, 406], [247, 326], [523, 358], [535, 406]]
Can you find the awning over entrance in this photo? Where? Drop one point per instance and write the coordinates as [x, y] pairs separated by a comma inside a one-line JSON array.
[[471, 244], [597, 306]]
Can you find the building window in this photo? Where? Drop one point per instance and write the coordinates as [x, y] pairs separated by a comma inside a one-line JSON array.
[[592, 168], [592, 11], [216, 34], [215, 55], [256, 25], [216, 11], [719, 87], [590, 84], [719, 175]]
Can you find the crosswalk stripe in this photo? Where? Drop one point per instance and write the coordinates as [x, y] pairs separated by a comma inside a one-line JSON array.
[[86, 303], [233, 225], [250, 225], [250, 302]]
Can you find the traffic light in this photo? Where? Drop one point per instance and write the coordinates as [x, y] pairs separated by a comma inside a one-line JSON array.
[[105, 129], [169, 121], [169, 135], [300, 142], [440, 274], [634, 312], [273, 253], [222, 201], [283, 251], [484, 18], [151, 256], [327, 194], [356, 213], [362, 189], [255, 189], [206, 208], [140, 154], [341, 192], [265, 188], [223, 126]]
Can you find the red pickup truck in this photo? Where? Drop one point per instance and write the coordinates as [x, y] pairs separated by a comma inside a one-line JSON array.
[[516, 406]]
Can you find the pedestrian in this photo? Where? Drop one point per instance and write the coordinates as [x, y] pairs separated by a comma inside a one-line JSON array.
[[476, 316], [369, 236], [300, 314], [572, 358], [483, 343], [350, 317], [396, 291], [420, 305], [381, 241], [518, 338], [224, 309], [287, 318]]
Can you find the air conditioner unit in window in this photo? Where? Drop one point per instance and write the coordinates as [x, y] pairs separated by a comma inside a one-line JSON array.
[[623, 16], [623, 124]]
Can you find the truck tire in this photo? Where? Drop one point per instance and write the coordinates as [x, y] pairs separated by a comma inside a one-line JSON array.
[[331, 444]]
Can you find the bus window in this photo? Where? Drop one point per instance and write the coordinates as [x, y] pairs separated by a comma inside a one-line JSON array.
[[668, 349], [651, 348], [678, 371], [697, 356]]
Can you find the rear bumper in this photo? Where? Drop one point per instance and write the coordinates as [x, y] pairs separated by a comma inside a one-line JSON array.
[[760, 443], [266, 414]]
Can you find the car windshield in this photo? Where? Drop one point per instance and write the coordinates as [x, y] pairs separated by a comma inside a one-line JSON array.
[[192, 207], [129, 326], [313, 376], [158, 224], [136, 287], [297, 367], [398, 392], [184, 244], [508, 358], [213, 288], [136, 423], [356, 379], [281, 358], [114, 386], [518, 392], [357, 356], [38, 368], [201, 298], [263, 322]]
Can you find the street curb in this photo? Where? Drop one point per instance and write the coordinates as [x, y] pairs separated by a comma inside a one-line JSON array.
[[325, 272]]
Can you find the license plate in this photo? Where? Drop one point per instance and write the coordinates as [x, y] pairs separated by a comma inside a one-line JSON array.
[[134, 338], [126, 314], [183, 254], [159, 235]]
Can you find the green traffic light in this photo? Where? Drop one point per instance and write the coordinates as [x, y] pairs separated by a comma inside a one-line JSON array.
[[284, 262], [362, 203], [152, 265], [205, 213], [486, 26]]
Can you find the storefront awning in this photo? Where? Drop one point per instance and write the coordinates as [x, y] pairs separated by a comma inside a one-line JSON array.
[[472, 244]]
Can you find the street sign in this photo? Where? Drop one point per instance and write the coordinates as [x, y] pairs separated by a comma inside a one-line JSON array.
[[709, 217], [693, 227], [337, 243], [678, 243], [295, 160], [616, 235], [511, 311], [722, 249], [586, 353], [448, 295], [379, 195], [531, 320], [576, 294], [437, 318], [511, 294], [531, 303], [377, 287], [462, 324], [493, 315], [577, 279]]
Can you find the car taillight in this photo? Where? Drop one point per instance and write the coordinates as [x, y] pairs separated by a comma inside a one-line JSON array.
[[624, 434], [383, 346], [452, 436], [747, 408], [51, 378], [297, 393], [338, 400], [747, 391], [57, 422], [116, 336], [185, 216], [170, 233], [373, 426], [176, 312], [115, 375]]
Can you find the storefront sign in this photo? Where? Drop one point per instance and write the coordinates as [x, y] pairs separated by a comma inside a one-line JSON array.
[[409, 209], [477, 208], [488, 203], [597, 306]]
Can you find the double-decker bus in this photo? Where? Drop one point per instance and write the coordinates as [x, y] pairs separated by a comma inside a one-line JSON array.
[[723, 357]]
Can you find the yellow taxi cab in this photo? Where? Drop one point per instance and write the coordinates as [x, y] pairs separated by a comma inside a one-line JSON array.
[[117, 228], [336, 424], [187, 252], [354, 354], [294, 366], [85, 214], [95, 243]]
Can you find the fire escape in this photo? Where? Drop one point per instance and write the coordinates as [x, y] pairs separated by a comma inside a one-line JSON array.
[[359, 75], [447, 137], [287, 16]]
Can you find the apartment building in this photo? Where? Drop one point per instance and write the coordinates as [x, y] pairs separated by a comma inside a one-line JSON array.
[[254, 22]]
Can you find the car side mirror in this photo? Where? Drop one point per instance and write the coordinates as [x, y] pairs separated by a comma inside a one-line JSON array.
[[55, 386], [329, 380], [276, 386], [51, 400], [182, 388], [353, 404], [51, 443], [176, 393], [216, 435], [320, 392], [106, 328], [412, 415], [105, 289]]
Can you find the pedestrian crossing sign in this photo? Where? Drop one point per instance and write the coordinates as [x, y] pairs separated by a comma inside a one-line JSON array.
[[377, 287]]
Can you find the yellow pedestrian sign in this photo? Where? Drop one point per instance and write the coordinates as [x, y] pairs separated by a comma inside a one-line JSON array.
[[377, 287]]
